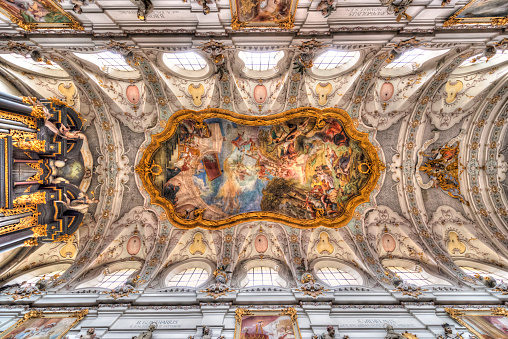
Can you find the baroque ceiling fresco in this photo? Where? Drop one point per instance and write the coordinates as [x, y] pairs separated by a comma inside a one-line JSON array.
[[358, 164]]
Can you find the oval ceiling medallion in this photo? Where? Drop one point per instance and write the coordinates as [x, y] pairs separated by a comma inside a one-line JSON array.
[[261, 243], [133, 245], [132, 93], [260, 94], [386, 91], [259, 168], [388, 242]]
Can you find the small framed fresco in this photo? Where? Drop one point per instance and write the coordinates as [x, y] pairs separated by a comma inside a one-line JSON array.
[[484, 324], [47, 325], [38, 14], [263, 13], [267, 324], [481, 12]]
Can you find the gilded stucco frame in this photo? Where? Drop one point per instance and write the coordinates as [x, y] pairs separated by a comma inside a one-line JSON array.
[[30, 26], [145, 167], [454, 21], [33, 314], [287, 23], [290, 312], [457, 314]]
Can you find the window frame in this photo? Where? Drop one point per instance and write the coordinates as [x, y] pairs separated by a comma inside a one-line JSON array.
[[182, 274], [274, 276], [203, 73], [90, 59], [182, 266], [113, 274], [432, 55], [32, 68], [414, 266], [241, 66], [339, 265], [399, 272], [339, 271], [45, 270], [487, 268], [341, 69]]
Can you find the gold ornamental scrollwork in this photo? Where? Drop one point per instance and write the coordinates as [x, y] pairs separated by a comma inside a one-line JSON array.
[[240, 313], [67, 21], [454, 20], [26, 140], [28, 121], [463, 317], [35, 198], [291, 312], [145, 168]]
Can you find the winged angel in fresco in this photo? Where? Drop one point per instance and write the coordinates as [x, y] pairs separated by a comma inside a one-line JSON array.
[[297, 168]]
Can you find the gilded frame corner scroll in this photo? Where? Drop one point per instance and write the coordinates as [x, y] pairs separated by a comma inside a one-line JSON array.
[[459, 316], [35, 314], [146, 167], [494, 21], [18, 19], [290, 312]]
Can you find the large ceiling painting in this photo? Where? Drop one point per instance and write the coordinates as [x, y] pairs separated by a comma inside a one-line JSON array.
[[494, 12], [263, 13], [214, 168], [38, 14]]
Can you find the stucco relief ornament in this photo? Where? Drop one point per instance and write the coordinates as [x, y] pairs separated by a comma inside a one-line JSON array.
[[491, 50], [123, 290], [220, 286], [442, 166], [145, 7], [124, 50], [90, 334], [78, 4], [398, 8], [403, 46], [24, 290], [23, 49], [312, 288], [308, 50], [406, 288], [329, 334], [147, 334], [206, 333], [391, 334], [216, 51], [449, 333]]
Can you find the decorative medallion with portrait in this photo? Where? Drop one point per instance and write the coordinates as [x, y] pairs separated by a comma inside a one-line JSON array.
[[304, 168]]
